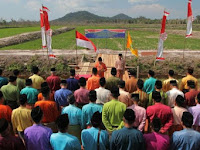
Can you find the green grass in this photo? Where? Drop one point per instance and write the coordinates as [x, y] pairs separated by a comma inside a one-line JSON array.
[[142, 40]]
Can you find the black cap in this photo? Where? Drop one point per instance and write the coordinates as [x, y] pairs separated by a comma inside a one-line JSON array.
[[115, 91], [63, 82], [12, 78], [53, 69], [3, 125], [135, 95], [129, 115]]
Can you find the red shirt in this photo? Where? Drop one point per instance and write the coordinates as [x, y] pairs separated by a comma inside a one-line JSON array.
[[190, 97], [5, 112], [53, 82], [82, 95], [50, 110], [163, 112]]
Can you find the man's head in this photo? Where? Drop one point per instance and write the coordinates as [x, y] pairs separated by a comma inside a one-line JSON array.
[[198, 99], [3, 125], [156, 124], [93, 96], [156, 96], [129, 117], [191, 84], [100, 60], [62, 123], [121, 84], [44, 84], [37, 114], [53, 71], [96, 119], [187, 119], [173, 83], [171, 73], [94, 71], [16, 72], [115, 92], [82, 82], [35, 70], [71, 99], [120, 56], [132, 73], [63, 84], [12, 79], [45, 92], [180, 101], [1, 72], [190, 70], [151, 73], [113, 71], [102, 82], [29, 82], [72, 72], [158, 85], [140, 84], [135, 98], [1, 98], [23, 99]]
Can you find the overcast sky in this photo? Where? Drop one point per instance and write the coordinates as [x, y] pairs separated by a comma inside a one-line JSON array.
[[29, 9]]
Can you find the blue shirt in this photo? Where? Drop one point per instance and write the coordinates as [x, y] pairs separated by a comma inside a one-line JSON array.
[[87, 112], [74, 114], [90, 136], [61, 96], [3, 81], [149, 85], [31, 94], [72, 84], [64, 141], [186, 139], [127, 139]]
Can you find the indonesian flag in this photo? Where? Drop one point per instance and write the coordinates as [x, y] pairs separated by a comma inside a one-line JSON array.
[[163, 37], [83, 41], [129, 45], [189, 20], [44, 45]]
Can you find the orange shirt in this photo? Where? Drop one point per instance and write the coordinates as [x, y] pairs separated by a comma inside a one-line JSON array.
[[5, 112], [101, 68], [50, 110], [40, 97], [131, 85], [93, 83]]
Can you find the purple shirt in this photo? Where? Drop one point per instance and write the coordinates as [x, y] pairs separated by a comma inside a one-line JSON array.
[[156, 141], [37, 137], [195, 111], [140, 116], [82, 95]]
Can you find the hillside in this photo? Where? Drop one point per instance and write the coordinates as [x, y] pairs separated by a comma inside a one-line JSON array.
[[121, 17]]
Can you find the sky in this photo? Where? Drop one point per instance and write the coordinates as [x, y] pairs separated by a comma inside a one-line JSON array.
[[29, 9]]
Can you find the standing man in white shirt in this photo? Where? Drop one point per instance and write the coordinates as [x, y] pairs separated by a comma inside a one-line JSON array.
[[120, 66]]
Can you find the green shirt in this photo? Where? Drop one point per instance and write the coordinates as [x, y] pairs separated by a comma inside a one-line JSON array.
[[31, 94], [111, 82], [164, 98], [10, 92], [149, 85], [112, 114], [20, 83]]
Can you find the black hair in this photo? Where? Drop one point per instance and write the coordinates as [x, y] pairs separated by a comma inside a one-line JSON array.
[[102, 81], [35, 69], [53, 69], [45, 91], [29, 82], [180, 101], [94, 71], [93, 96], [71, 99], [115, 91], [96, 119], [1, 71], [36, 114], [151, 73], [121, 84], [1, 95], [99, 59], [198, 98], [135, 97], [72, 72], [129, 116], [12, 78], [190, 70], [158, 84], [156, 124], [63, 82], [22, 99], [187, 119], [191, 84], [62, 122], [82, 81], [173, 83], [140, 84], [120, 55], [171, 73], [113, 71], [16, 72], [156, 96], [44, 84], [133, 73]]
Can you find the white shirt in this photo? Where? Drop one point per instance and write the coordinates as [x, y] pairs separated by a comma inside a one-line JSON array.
[[177, 114], [102, 95], [171, 96]]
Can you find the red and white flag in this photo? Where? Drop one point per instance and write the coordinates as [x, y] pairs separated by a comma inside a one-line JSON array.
[[46, 31], [83, 41], [163, 37], [190, 19]]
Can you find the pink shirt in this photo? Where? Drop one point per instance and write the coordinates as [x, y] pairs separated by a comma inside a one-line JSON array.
[[120, 64], [140, 116], [82, 95], [156, 141]]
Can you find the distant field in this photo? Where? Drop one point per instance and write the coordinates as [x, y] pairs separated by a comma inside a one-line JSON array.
[[142, 39]]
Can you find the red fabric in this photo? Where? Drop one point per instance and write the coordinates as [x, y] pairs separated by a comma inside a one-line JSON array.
[[189, 8], [46, 21], [41, 18], [5, 112], [163, 112], [86, 76], [53, 82], [190, 97], [163, 24]]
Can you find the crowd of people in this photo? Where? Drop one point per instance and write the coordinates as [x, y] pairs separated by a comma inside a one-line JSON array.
[[98, 113]]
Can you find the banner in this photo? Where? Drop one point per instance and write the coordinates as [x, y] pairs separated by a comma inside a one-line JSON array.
[[129, 45], [190, 19]]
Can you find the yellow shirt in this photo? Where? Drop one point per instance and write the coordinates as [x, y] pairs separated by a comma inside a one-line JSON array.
[[166, 84], [183, 84], [37, 81], [21, 119]]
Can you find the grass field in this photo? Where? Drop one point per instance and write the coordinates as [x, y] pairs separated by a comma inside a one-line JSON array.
[[142, 39]]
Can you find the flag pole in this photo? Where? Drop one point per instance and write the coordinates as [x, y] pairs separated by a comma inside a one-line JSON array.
[[76, 53], [125, 48]]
